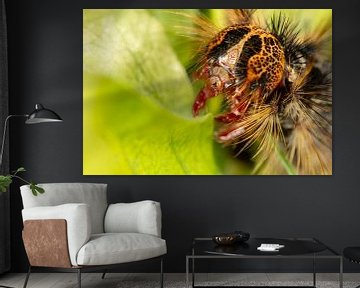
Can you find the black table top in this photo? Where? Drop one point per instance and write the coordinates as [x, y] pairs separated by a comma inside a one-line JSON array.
[[203, 246]]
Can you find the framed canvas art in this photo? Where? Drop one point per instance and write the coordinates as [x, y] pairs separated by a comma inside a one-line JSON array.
[[207, 92]]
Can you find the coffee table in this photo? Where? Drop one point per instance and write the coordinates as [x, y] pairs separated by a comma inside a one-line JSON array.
[[294, 248]]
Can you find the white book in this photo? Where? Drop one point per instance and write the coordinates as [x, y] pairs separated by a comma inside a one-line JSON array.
[[270, 247]]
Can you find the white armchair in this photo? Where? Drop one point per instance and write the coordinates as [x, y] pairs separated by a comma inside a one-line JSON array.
[[72, 228]]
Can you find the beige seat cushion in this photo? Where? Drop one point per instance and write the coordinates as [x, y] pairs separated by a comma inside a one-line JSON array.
[[113, 248]]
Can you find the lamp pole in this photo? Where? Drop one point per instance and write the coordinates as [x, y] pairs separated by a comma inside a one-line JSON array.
[[4, 134]]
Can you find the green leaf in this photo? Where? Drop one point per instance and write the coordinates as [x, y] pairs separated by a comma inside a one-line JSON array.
[[33, 189], [20, 169], [40, 190], [5, 182], [128, 133], [131, 46], [36, 189]]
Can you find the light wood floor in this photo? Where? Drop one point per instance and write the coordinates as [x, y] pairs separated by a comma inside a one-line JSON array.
[[113, 280]]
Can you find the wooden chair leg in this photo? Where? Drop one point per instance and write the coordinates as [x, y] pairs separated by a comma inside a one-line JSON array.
[[27, 277], [79, 277]]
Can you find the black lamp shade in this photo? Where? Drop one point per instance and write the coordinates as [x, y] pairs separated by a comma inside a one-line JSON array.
[[42, 115]]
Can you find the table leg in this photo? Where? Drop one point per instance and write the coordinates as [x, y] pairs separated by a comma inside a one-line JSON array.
[[193, 272], [314, 271], [187, 272], [193, 267], [341, 273]]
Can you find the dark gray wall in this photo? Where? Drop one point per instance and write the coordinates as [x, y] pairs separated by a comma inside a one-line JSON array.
[[45, 65]]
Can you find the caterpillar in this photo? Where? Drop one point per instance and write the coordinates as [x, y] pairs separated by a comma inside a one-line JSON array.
[[276, 85]]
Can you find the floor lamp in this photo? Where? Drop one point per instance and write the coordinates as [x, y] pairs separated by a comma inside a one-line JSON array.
[[39, 115]]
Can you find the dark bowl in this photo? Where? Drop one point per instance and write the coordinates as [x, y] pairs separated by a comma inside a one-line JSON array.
[[225, 239], [231, 238]]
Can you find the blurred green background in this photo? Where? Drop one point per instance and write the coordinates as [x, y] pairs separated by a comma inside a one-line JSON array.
[[137, 94]]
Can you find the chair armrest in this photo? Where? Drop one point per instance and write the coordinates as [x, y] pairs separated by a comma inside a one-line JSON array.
[[77, 218], [52, 250], [138, 217]]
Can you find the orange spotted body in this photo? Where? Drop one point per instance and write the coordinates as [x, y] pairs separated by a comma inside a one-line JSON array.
[[267, 59], [246, 64]]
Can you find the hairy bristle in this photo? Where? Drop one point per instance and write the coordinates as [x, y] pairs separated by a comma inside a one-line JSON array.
[[240, 16]]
